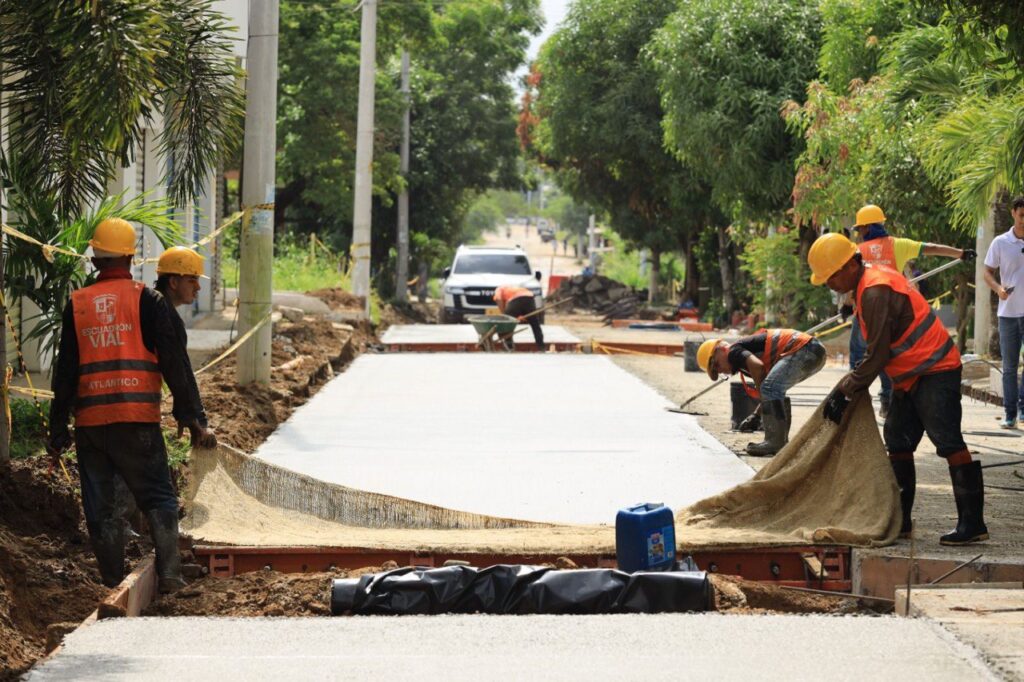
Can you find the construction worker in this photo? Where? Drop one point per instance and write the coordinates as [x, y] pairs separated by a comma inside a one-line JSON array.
[[906, 340], [518, 302], [776, 360], [116, 344], [178, 272], [1005, 258], [878, 247]]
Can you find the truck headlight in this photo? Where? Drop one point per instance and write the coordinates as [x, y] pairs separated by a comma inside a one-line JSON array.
[[453, 290]]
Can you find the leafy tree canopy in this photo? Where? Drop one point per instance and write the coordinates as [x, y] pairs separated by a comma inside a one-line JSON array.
[[725, 69]]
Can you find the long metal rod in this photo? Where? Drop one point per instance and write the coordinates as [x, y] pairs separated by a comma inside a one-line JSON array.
[[955, 569], [831, 593], [821, 325]]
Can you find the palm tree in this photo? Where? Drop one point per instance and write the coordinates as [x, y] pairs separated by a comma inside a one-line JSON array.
[[82, 80]]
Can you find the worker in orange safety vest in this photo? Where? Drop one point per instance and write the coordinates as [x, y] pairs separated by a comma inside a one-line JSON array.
[[775, 360], [518, 302], [117, 346], [906, 340]]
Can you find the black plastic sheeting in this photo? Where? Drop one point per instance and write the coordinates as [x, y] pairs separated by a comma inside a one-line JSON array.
[[506, 589]]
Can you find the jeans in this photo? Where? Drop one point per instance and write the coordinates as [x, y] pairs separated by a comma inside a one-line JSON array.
[[1011, 338], [792, 369], [931, 406], [137, 453], [858, 347]]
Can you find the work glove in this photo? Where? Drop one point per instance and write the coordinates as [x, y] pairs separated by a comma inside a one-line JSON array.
[[59, 443], [968, 255], [845, 311], [199, 435], [835, 405]]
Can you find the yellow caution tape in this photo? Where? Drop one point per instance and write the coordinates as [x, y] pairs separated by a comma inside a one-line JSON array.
[[30, 391], [233, 347], [48, 249]]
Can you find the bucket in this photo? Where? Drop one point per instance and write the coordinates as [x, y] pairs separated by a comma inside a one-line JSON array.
[[690, 356], [554, 282], [645, 538]]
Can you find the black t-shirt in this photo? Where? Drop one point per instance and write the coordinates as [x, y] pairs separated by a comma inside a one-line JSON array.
[[745, 347]]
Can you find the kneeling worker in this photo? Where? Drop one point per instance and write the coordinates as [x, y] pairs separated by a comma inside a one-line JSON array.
[[117, 343], [518, 302], [776, 360], [905, 340]]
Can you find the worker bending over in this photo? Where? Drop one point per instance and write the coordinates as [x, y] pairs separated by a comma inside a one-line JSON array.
[[518, 302], [776, 360], [117, 343], [878, 247], [907, 341]]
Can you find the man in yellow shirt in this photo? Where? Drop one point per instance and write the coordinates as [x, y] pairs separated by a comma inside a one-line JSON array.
[[878, 247]]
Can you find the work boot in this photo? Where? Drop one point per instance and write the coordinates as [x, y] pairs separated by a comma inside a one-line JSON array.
[[969, 493], [776, 433], [906, 479], [788, 406], [108, 545], [163, 526]]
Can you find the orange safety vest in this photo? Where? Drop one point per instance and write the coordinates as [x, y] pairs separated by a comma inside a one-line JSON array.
[[118, 377], [881, 251], [925, 347], [504, 294], [778, 344]]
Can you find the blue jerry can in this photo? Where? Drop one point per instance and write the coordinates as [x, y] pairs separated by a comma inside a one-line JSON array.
[[645, 538]]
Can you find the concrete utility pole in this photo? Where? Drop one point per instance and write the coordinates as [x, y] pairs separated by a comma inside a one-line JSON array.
[[256, 244], [361, 211], [982, 292], [402, 271]]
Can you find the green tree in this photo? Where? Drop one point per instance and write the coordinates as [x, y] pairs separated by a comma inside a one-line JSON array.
[[596, 119], [726, 67]]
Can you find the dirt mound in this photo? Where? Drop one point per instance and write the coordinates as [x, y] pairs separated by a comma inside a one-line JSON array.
[[304, 355], [262, 593], [47, 573], [339, 299], [736, 595]]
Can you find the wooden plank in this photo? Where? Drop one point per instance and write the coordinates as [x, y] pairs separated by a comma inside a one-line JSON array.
[[134, 594]]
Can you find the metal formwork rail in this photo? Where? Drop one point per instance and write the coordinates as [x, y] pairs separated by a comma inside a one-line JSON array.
[[820, 567]]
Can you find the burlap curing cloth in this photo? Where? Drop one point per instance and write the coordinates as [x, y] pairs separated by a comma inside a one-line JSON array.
[[829, 485]]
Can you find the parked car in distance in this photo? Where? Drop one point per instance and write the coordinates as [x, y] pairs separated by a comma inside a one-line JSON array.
[[469, 284]]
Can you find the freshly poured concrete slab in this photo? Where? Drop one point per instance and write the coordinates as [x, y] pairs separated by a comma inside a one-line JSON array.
[[634, 647], [555, 437], [407, 335]]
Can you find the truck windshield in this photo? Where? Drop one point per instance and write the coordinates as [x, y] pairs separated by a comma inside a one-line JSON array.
[[492, 264]]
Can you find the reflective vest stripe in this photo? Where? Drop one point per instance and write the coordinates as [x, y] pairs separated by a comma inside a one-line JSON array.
[[925, 347], [916, 333], [115, 365], [115, 398], [928, 363]]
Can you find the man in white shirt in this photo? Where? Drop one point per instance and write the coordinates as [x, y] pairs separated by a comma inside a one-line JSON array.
[[1006, 258]]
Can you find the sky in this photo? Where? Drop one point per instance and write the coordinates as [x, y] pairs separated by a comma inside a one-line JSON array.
[[554, 12]]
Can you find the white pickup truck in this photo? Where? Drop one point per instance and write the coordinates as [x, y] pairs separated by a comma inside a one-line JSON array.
[[469, 284]]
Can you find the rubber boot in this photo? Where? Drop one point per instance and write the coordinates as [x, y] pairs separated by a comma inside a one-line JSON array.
[[906, 479], [776, 433], [788, 406], [163, 526], [969, 492], [108, 545], [750, 424]]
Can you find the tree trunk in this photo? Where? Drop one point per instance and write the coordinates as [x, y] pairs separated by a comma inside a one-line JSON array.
[[653, 293], [1002, 222], [692, 276], [5, 424], [725, 267]]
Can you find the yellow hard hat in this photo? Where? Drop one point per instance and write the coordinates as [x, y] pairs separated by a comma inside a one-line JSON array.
[[180, 260], [828, 254], [704, 354], [114, 235], [869, 215]]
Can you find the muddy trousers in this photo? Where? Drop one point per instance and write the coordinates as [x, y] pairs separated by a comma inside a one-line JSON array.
[[136, 452]]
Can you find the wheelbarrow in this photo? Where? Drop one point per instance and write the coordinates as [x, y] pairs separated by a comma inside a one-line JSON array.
[[487, 326]]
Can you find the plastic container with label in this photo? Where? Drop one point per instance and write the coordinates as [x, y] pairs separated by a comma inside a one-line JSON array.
[[645, 538]]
